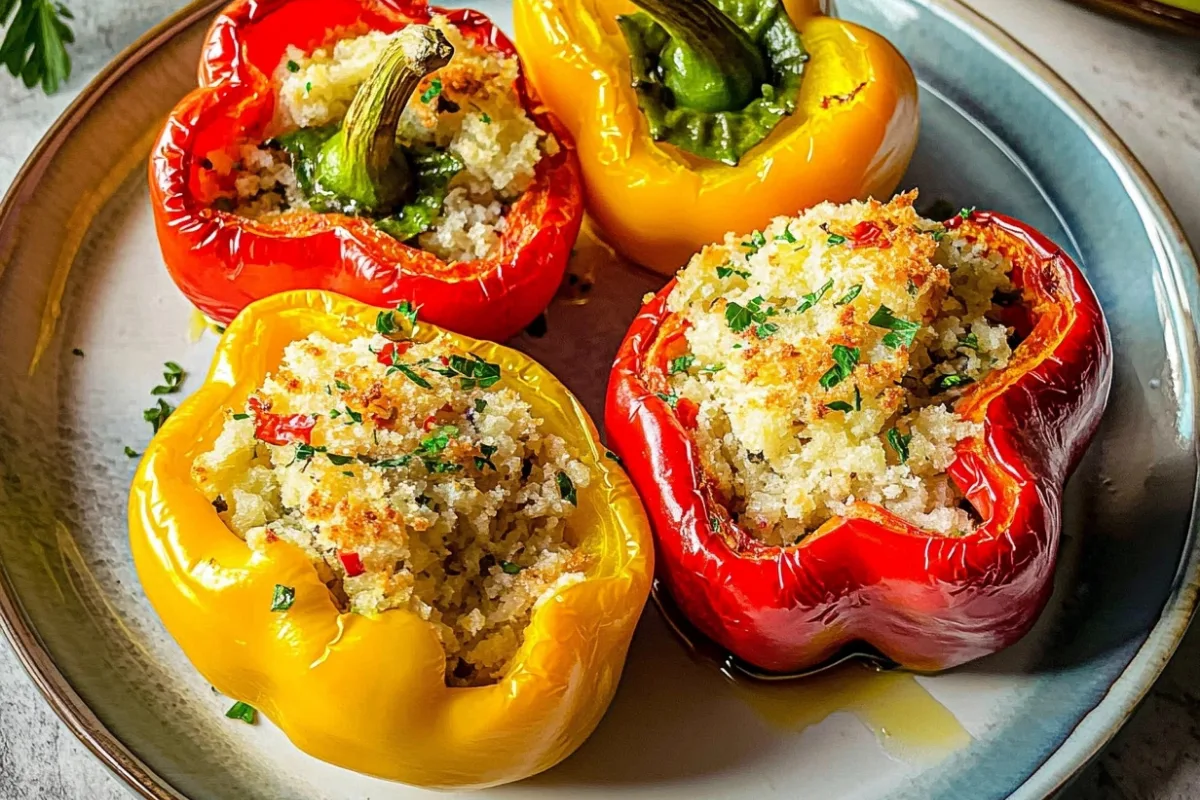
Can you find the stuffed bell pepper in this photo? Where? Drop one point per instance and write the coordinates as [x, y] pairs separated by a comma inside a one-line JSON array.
[[695, 117], [855, 426], [382, 149], [403, 546]]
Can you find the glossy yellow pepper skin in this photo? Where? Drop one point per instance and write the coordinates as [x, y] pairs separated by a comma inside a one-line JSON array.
[[852, 135], [369, 693]]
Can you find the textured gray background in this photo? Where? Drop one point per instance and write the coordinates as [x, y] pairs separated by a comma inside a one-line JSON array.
[[1145, 84]]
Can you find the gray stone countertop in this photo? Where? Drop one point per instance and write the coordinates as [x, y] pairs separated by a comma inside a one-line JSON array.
[[1145, 84]]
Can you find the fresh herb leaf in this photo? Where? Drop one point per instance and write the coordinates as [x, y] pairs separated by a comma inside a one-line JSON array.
[[899, 443], [970, 341], [480, 405], [485, 460], [337, 460], [157, 414], [308, 87], [385, 323], [292, 66], [283, 598], [473, 371], [902, 331], [766, 329], [786, 236], [681, 364], [437, 466], [432, 91], [725, 272], [393, 463], [937, 235], [129, 451], [438, 440], [34, 48], [757, 240], [845, 359], [345, 387], [812, 298], [944, 382], [509, 568], [836, 239], [173, 376], [566, 488], [241, 416], [839, 405], [408, 311], [712, 369], [740, 317], [412, 375], [849, 296], [670, 398], [967, 212], [348, 473], [487, 119], [242, 711]]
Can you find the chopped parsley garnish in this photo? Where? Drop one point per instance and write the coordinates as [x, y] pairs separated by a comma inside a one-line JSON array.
[[480, 405], [408, 311], [411, 374], [681, 364], [970, 341], [712, 369], [836, 239], [129, 451], [845, 359], [740, 317], [757, 240], [945, 382], [839, 405], [902, 331], [241, 416], [967, 212], [609, 454], [485, 460], [392, 463], [438, 440], [292, 66], [283, 598], [339, 461], [899, 443], [308, 87], [156, 415], [305, 452], [473, 371], [786, 236], [385, 323], [566, 488], [345, 387], [509, 568], [351, 415], [173, 376], [436, 466], [937, 235], [766, 329], [432, 91], [487, 119], [670, 398], [242, 711], [348, 473], [812, 298], [849, 296], [725, 272]]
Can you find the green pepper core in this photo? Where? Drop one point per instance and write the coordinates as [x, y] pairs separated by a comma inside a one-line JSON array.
[[352, 169], [714, 77]]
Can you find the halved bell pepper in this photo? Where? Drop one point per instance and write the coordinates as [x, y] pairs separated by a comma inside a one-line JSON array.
[[369, 693], [223, 262], [926, 601], [830, 114]]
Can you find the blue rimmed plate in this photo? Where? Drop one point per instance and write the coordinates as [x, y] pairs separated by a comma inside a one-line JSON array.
[[80, 270]]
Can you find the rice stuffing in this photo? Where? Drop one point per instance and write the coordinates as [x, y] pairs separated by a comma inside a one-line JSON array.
[[419, 490], [824, 358]]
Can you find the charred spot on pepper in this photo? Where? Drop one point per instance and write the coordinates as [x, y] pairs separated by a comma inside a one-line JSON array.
[[220, 505]]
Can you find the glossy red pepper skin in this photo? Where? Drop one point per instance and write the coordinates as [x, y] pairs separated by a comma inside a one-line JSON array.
[[223, 262], [928, 602]]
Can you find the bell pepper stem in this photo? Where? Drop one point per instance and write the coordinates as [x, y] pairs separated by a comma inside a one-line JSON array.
[[355, 168], [710, 64]]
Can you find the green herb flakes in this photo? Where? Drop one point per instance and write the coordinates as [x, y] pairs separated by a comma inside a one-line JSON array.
[[786, 236], [345, 387], [487, 119], [839, 405], [292, 66], [740, 317], [970, 341], [283, 598], [480, 405], [509, 568], [566, 488], [485, 460], [945, 382], [241, 416], [242, 711], [899, 442], [173, 376], [408, 311], [433, 90], [438, 440], [725, 272], [131, 453], [681, 364], [849, 296], [902, 331], [339, 461], [845, 359], [670, 398], [835, 239], [411, 374], [756, 242], [811, 299], [157, 414]]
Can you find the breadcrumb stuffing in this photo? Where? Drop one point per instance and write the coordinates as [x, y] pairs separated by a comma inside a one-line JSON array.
[[419, 490], [469, 108], [824, 356]]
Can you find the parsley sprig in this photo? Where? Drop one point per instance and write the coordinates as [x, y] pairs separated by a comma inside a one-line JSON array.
[[845, 359], [740, 317], [902, 331], [35, 46]]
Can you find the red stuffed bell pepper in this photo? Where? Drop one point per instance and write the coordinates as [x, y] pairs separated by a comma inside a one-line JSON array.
[[949, 442], [319, 154]]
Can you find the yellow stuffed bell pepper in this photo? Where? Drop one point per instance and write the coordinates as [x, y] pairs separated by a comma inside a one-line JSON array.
[[369, 692], [691, 123]]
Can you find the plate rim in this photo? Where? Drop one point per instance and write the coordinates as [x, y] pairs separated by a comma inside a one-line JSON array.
[[1050, 777]]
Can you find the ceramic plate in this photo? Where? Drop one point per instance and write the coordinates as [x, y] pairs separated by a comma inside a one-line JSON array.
[[89, 315]]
